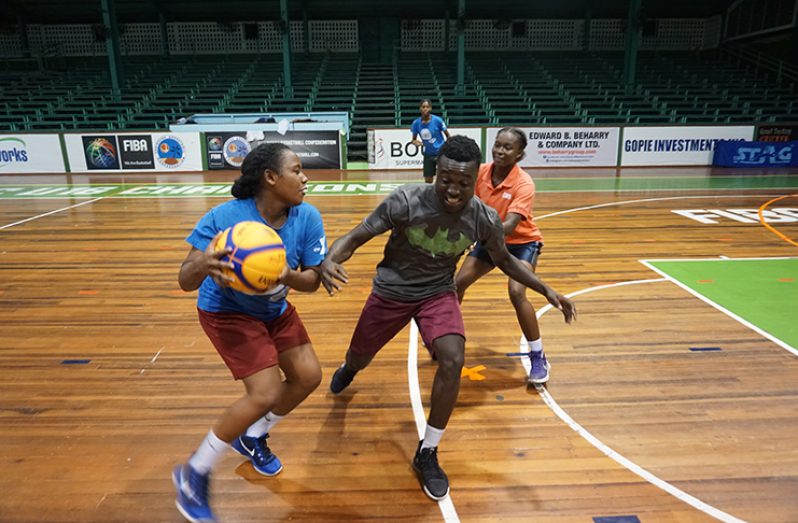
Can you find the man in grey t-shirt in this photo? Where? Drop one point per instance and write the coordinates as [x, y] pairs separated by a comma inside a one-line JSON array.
[[431, 227]]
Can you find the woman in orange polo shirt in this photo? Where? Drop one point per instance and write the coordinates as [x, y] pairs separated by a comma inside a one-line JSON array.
[[504, 186]]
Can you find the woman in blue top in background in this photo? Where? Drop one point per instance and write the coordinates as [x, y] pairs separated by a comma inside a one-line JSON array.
[[431, 129], [256, 335]]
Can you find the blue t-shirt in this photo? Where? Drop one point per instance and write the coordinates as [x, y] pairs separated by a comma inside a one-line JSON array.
[[305, 246], [431, 133]]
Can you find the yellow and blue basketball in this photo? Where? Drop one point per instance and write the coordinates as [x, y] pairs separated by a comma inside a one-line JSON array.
[[258, 256]]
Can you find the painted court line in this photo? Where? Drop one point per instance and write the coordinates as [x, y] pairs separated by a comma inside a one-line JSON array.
[[49, 213], [625, 462], [769, 227], [716, 259], [446, 505], [784, 345]]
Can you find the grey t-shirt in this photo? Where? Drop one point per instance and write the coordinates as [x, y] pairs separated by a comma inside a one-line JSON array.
[[426, 242]]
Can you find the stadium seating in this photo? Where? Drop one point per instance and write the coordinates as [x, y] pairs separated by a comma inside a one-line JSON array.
[[510, 88]]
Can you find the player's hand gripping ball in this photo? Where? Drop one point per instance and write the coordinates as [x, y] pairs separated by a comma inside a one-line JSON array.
[[258, 256]]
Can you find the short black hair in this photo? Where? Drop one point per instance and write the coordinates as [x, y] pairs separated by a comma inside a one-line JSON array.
[[461, 149]]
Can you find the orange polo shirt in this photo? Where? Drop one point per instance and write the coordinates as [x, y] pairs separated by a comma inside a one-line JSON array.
[[515, 194]]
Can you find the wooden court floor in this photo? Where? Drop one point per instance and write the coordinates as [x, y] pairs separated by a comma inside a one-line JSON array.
[[107, 381]]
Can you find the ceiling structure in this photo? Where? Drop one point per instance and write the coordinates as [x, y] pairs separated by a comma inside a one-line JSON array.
[[137, 11]]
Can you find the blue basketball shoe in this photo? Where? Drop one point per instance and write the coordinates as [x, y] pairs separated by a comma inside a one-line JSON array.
[[540, 368], [263, 461], [192, 494]]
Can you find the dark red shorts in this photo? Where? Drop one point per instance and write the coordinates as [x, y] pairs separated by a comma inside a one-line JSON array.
[[383, 318], [248, 345]]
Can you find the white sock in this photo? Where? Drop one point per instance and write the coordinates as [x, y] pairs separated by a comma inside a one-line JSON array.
[[208, 453], [432, 437], [271, 420], [536, 345], [263, 425]]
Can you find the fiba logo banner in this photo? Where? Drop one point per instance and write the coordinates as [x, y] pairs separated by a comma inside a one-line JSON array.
[[170, 152], [136, 151], [215, 157], [101, 152]]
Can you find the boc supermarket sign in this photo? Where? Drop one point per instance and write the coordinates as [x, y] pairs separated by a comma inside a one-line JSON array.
[[392, 149]]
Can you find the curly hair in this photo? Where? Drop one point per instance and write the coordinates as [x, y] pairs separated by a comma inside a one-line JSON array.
[[263, 157], [461, 149], [518, 134]]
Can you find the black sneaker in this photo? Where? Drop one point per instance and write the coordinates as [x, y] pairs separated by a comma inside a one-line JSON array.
[[431, 475], [341, 379]]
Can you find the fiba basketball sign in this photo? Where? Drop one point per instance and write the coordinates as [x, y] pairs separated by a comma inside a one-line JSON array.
[[133, 152], [136, 152]]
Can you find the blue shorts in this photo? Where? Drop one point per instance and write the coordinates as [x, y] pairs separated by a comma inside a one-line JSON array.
[[527, 252]]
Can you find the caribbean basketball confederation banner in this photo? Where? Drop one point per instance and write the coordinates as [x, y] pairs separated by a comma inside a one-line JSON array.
[[30, 153], [113, 152], [316, 149], [565, 146]]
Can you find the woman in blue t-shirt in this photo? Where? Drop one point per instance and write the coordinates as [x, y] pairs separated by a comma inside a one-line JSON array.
[[431, 129], [256, 335]]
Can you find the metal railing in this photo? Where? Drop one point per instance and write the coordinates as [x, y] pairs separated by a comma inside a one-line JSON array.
[[784, 72]]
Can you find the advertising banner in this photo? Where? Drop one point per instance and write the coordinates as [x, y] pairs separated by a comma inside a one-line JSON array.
[[113, 152], [316, 149], [756, 154], [392, 149], [677, 145], [30, 153], [777, 133], [565, 146]]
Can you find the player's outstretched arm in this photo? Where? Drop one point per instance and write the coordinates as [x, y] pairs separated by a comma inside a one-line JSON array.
[[331, 271], [510, 266]]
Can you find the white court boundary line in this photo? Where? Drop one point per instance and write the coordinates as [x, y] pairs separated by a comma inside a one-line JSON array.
[[623, 461], [26, 220], [447, 507], [765, 334]]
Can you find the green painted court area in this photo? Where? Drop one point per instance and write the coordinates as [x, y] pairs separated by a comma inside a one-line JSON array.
[[763, 292]]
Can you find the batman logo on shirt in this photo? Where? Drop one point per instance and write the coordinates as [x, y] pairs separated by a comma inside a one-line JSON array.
[[439, 244]]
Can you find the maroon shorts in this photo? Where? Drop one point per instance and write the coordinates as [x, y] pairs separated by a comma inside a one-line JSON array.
[[248, 345], [382, 318]]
